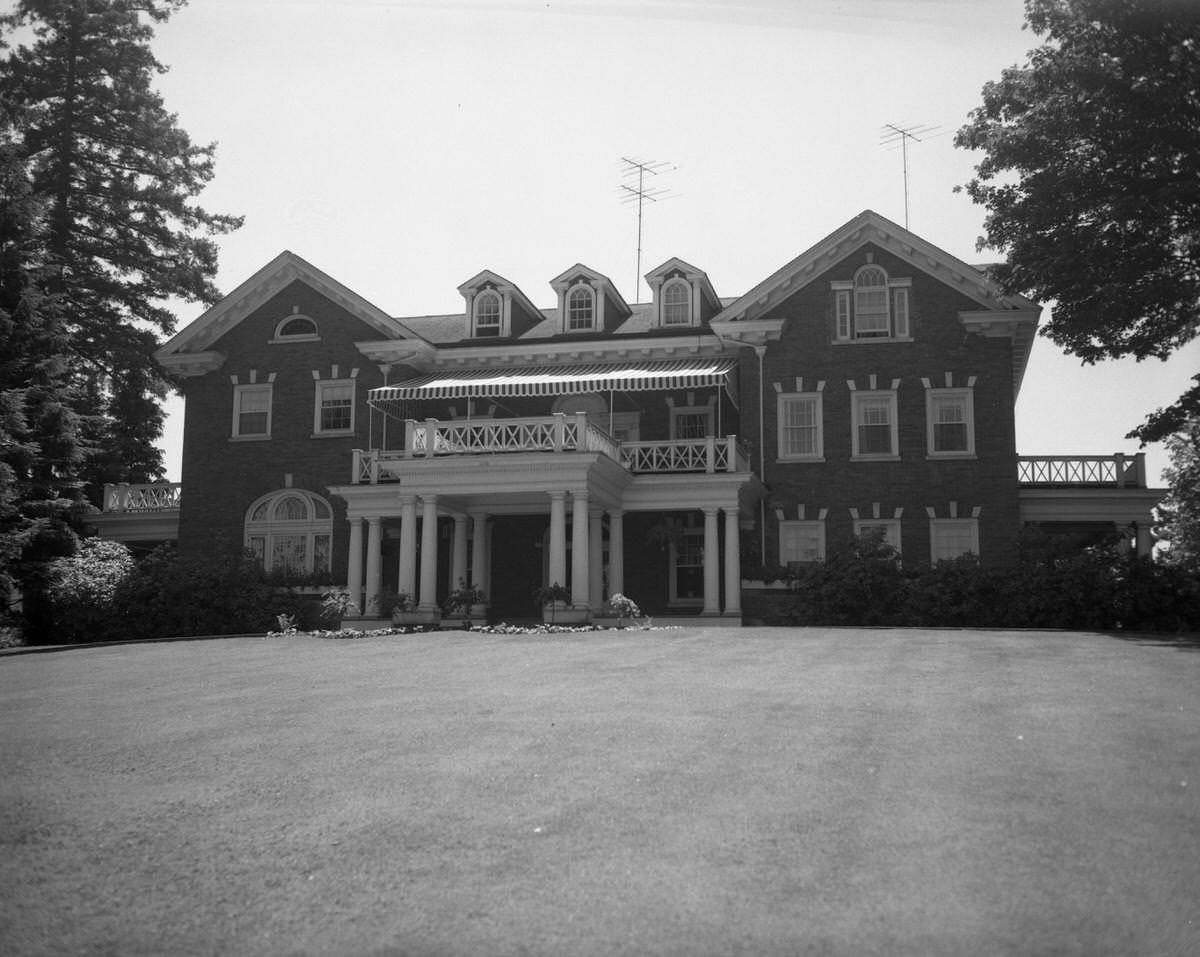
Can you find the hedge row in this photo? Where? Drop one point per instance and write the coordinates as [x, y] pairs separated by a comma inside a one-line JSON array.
[[1097, 588]]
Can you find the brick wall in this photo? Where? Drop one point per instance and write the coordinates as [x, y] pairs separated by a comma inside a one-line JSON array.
[[940, 345], [223, 476]]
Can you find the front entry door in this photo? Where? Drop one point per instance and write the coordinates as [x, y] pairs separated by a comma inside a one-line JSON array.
[[516, 565]]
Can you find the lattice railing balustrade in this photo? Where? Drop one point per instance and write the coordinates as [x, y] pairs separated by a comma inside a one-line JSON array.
[[1112, 471], [154, 497]]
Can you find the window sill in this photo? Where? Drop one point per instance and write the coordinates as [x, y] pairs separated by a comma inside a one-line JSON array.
[[249, 438], [870, 342], [800, 460], [951, 456], [341, 434], [874, 458], [287, 339]]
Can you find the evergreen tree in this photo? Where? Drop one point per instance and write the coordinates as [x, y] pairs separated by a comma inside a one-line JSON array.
[[40, 432], [1089, 179], [119, 179]]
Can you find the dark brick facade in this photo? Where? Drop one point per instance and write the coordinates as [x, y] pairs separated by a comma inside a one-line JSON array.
[[223, 475], [807, 348]]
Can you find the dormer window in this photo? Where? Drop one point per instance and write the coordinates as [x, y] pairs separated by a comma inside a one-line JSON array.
[[677, 303], [581, 309], [871, 307], [487, 314], [296, 328]]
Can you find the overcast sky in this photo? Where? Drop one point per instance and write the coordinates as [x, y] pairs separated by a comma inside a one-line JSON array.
[[402, 146]]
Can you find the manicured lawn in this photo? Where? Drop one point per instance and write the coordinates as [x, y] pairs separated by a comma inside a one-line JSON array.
[[723, 792]]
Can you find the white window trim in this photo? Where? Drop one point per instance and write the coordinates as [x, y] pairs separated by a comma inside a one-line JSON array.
[[783, 455], [899, 321], [891, 530], [936, 523], [311, 527], [856, 399], [679, 411], [321, 386], [278, 337], [968, 394], [238, 391], [814, 525], [688, 320], [499, 324], [593, 324]]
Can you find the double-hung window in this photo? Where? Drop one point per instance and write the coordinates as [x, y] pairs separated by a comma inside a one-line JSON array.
[[334, 412], [581, 309], [800, 432], [876, 433], [487, 314], [676, 303], [691, 422], [871, 306], [801, 542], [950, 423], [888, 531], [953, 537], [252, 411]]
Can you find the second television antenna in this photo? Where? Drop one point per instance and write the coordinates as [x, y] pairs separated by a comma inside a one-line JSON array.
[[917, 133], [641, 194]]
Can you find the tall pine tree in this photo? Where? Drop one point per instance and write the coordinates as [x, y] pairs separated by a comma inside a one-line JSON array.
[[119, 179]]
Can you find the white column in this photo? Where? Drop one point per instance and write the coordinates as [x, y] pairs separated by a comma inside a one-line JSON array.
[[557, 571], [406, 583], [354, 568], [373, 568], [429, 549], [712, 569], [733, 564], [458, 557], [1144, 541], [616, 552], [579, 550], [479, 550], [596, 559]]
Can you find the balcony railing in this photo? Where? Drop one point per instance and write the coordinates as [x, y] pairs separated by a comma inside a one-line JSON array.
[[156, 497], [1082, 471], [685, 455], [553, 433]]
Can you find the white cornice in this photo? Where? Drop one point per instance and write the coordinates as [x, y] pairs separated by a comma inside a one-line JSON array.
[[749, 332], [414, 352], [189, 364], [525, 352]]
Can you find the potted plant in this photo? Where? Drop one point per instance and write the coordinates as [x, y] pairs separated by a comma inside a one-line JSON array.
[[555, 601], [464, 604]]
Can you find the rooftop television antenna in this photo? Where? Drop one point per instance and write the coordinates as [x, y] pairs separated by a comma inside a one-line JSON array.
[[916, 132], [641, 194]]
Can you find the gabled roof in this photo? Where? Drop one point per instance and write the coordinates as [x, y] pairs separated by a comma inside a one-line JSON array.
[[675, 264], [869, 227], [560, 282], [486, 276], [198, 335]]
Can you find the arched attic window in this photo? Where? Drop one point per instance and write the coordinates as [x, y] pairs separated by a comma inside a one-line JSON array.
[[296, 328], [677, 303], [290, 531], [871, 302], [581, 308], [487, 314]]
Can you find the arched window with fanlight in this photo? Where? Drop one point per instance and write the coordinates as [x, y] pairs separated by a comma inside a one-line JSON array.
[[296, 328], [871, 306], [487, 314], [677, 303], [581, 308], [291, 532]]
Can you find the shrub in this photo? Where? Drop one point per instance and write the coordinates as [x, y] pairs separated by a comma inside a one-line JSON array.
[[82, 590]]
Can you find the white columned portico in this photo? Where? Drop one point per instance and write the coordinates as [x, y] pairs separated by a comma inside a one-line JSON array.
[[616, 552], [733, 564], [557, 570], [429, 548], [479, 550], [458, 557], [374, 528], [596, 559], [407, 580], [354, 568], [712, 568], [579, 550]]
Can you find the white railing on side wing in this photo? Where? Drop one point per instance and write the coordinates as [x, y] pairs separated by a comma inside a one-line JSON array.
[[1114, 471], [154, 497]]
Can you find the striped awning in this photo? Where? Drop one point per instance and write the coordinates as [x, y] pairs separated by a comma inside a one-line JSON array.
[[648, 375]]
